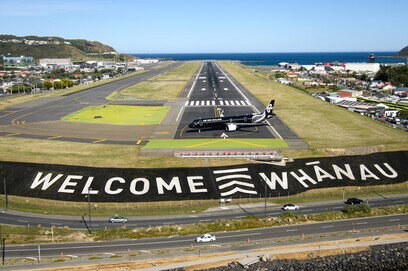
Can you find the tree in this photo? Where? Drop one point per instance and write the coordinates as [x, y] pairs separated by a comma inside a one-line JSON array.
[[66, 83], [57, 84], [47, 85], [403, 114]]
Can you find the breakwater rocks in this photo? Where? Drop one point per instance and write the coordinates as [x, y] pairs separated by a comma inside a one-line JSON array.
[[379, 257]]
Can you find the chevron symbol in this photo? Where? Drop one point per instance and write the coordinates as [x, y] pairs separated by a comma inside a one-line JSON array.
[[231, 181]]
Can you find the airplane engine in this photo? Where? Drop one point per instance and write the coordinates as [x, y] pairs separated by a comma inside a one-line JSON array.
[[231, 127]]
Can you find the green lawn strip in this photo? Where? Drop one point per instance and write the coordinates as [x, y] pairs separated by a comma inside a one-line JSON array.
[[16, 99], [21, 235], [256, 143], [322, 125], [119, 115]]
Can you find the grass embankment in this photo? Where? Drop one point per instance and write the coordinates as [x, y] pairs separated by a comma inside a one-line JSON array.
[[119, 115], [25, 204], [18, 235], [203, 143], [165, 86], [20, 98], [321, 125]]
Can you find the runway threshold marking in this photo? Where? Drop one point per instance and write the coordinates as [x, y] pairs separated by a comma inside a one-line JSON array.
[[54, 137], [99, 141]]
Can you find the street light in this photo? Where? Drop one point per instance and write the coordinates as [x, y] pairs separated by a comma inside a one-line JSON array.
[[89, 209]]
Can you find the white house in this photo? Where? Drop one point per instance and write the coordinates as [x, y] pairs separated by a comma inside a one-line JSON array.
[[362, 67]]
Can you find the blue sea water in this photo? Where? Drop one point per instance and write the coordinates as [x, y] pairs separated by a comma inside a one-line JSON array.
[[261, 59]]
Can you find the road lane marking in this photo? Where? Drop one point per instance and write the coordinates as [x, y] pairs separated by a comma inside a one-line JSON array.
[[13, 134], [395, 219], [186, 103], [292, 230], [181, 110], [57, 224], [23, 221], [337, 207], [361, 223], [324, 227], [195, 81], [98, 141], [54, 137], [241, 235]]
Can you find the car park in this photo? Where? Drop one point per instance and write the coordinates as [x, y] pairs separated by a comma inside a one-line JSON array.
[[290, 207], [118, 219], [353, 201], [206, 238]]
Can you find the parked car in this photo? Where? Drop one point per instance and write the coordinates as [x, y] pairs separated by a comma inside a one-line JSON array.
[[353, 201], [118, 219], [206, 238], [290, 207]]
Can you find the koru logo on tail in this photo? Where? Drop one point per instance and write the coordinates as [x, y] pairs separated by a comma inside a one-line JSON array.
[[231, 181]]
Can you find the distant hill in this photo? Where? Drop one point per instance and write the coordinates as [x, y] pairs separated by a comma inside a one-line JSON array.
[[56, 47], [403, 52]]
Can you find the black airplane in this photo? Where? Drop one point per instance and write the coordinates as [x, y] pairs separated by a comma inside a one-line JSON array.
[[233, 122]]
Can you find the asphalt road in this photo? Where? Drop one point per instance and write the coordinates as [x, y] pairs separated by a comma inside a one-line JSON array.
[[24, 219], [180, 242], [213, 91]]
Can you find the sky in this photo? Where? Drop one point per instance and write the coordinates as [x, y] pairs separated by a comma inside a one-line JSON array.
[[215, 26]]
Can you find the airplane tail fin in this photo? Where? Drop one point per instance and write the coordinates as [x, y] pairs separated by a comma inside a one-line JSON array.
[[269, 109]]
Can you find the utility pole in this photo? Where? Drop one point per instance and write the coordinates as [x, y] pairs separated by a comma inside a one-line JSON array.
[[89, 209], [265, 201], [5, 193]]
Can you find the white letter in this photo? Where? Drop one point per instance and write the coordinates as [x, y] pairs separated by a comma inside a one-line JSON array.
[[146, 186], [45, 180], [339, 171], [275, 178], [393, 174], [87, 186], [301, 179], [109, 184], [63, 188], [321, 174], [175, 182], [193, 185], [366, 173]]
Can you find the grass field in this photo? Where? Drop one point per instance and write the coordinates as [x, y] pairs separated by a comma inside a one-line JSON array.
[[93, 155], [322, 125], [257, 143], [20, 98], [119, 115], [164, 86]]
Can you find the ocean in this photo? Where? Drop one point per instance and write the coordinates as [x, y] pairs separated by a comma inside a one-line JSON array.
[[266, 59]]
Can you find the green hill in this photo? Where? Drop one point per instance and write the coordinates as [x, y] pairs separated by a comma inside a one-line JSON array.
[[403, 52], [56, 47]]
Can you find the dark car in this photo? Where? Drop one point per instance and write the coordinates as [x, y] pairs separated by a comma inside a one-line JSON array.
[[353, 201]]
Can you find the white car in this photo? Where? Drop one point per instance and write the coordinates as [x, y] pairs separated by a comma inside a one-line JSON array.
[[118, 219], [290, 207], [205, 238]]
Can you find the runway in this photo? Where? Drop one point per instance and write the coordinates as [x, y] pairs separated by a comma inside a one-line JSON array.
[[223, 238], [213, 92]]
